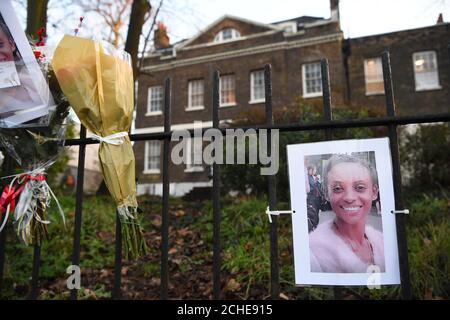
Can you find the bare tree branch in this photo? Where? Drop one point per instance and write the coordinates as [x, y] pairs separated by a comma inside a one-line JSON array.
[[141, 60], [114, 13]]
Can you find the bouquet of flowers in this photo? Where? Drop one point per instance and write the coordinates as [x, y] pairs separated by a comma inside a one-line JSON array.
[[98, 81], [35, 149]]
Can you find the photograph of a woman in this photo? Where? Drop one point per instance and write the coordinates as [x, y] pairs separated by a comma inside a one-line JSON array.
[[347, 242], [343, 228], [18, 91], [24, 91]]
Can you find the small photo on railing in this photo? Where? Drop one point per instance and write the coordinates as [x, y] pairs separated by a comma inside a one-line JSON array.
[[24, 91], [343, 228]]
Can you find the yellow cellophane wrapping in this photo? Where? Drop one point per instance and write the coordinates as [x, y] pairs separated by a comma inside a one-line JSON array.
[[100, 88]]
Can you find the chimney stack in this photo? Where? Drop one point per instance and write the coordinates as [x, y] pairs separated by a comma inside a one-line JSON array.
[[160, 38], [334, 7], [440, 19]]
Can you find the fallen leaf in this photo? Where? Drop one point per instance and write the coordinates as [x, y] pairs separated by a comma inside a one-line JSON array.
[[104, 273], [232, 285], [207, 291], [157, 222], [180, 213], [184, 232], [103, 235], [428, 295], [155, 282], [90, 294], [283, 296]]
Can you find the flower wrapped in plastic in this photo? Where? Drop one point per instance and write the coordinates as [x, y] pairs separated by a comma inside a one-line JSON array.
[[35, 149], [97, 79]]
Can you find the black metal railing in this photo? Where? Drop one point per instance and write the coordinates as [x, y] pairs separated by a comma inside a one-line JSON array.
[[391, 121]]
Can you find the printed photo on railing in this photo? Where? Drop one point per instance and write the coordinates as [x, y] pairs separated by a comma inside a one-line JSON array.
[[24, 91], [343, 229]]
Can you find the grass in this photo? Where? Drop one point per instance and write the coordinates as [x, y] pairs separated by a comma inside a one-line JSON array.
[[429, 246], [245, 240], [245, 249], [96, 249]]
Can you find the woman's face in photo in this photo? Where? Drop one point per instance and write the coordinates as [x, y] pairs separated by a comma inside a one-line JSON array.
[[350, 191], [7, 48]]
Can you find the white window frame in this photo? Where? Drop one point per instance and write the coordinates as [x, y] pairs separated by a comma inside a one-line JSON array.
[[190, 107], [379, 78], [288, 27], [148, 170], [254, 99], [426, 87], [233, 88], [190, 146], [310, 94], [235, 34], [150, 100]]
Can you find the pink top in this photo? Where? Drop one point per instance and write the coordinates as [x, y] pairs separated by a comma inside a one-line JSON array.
[[330, 253]]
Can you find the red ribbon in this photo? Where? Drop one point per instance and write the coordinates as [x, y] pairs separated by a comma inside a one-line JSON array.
[[10, 193]]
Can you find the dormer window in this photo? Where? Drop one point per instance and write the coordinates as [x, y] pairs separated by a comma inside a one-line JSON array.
[[288, 27], [227, 34]]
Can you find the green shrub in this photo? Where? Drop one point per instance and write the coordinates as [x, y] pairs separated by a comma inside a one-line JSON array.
[[427, 209], [424, 158]]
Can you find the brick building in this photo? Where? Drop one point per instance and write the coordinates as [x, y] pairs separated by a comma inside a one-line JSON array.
[[239, 49], [420, 69]]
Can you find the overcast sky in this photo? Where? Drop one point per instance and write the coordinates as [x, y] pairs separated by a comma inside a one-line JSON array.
[[358, 17], [186, 18]]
